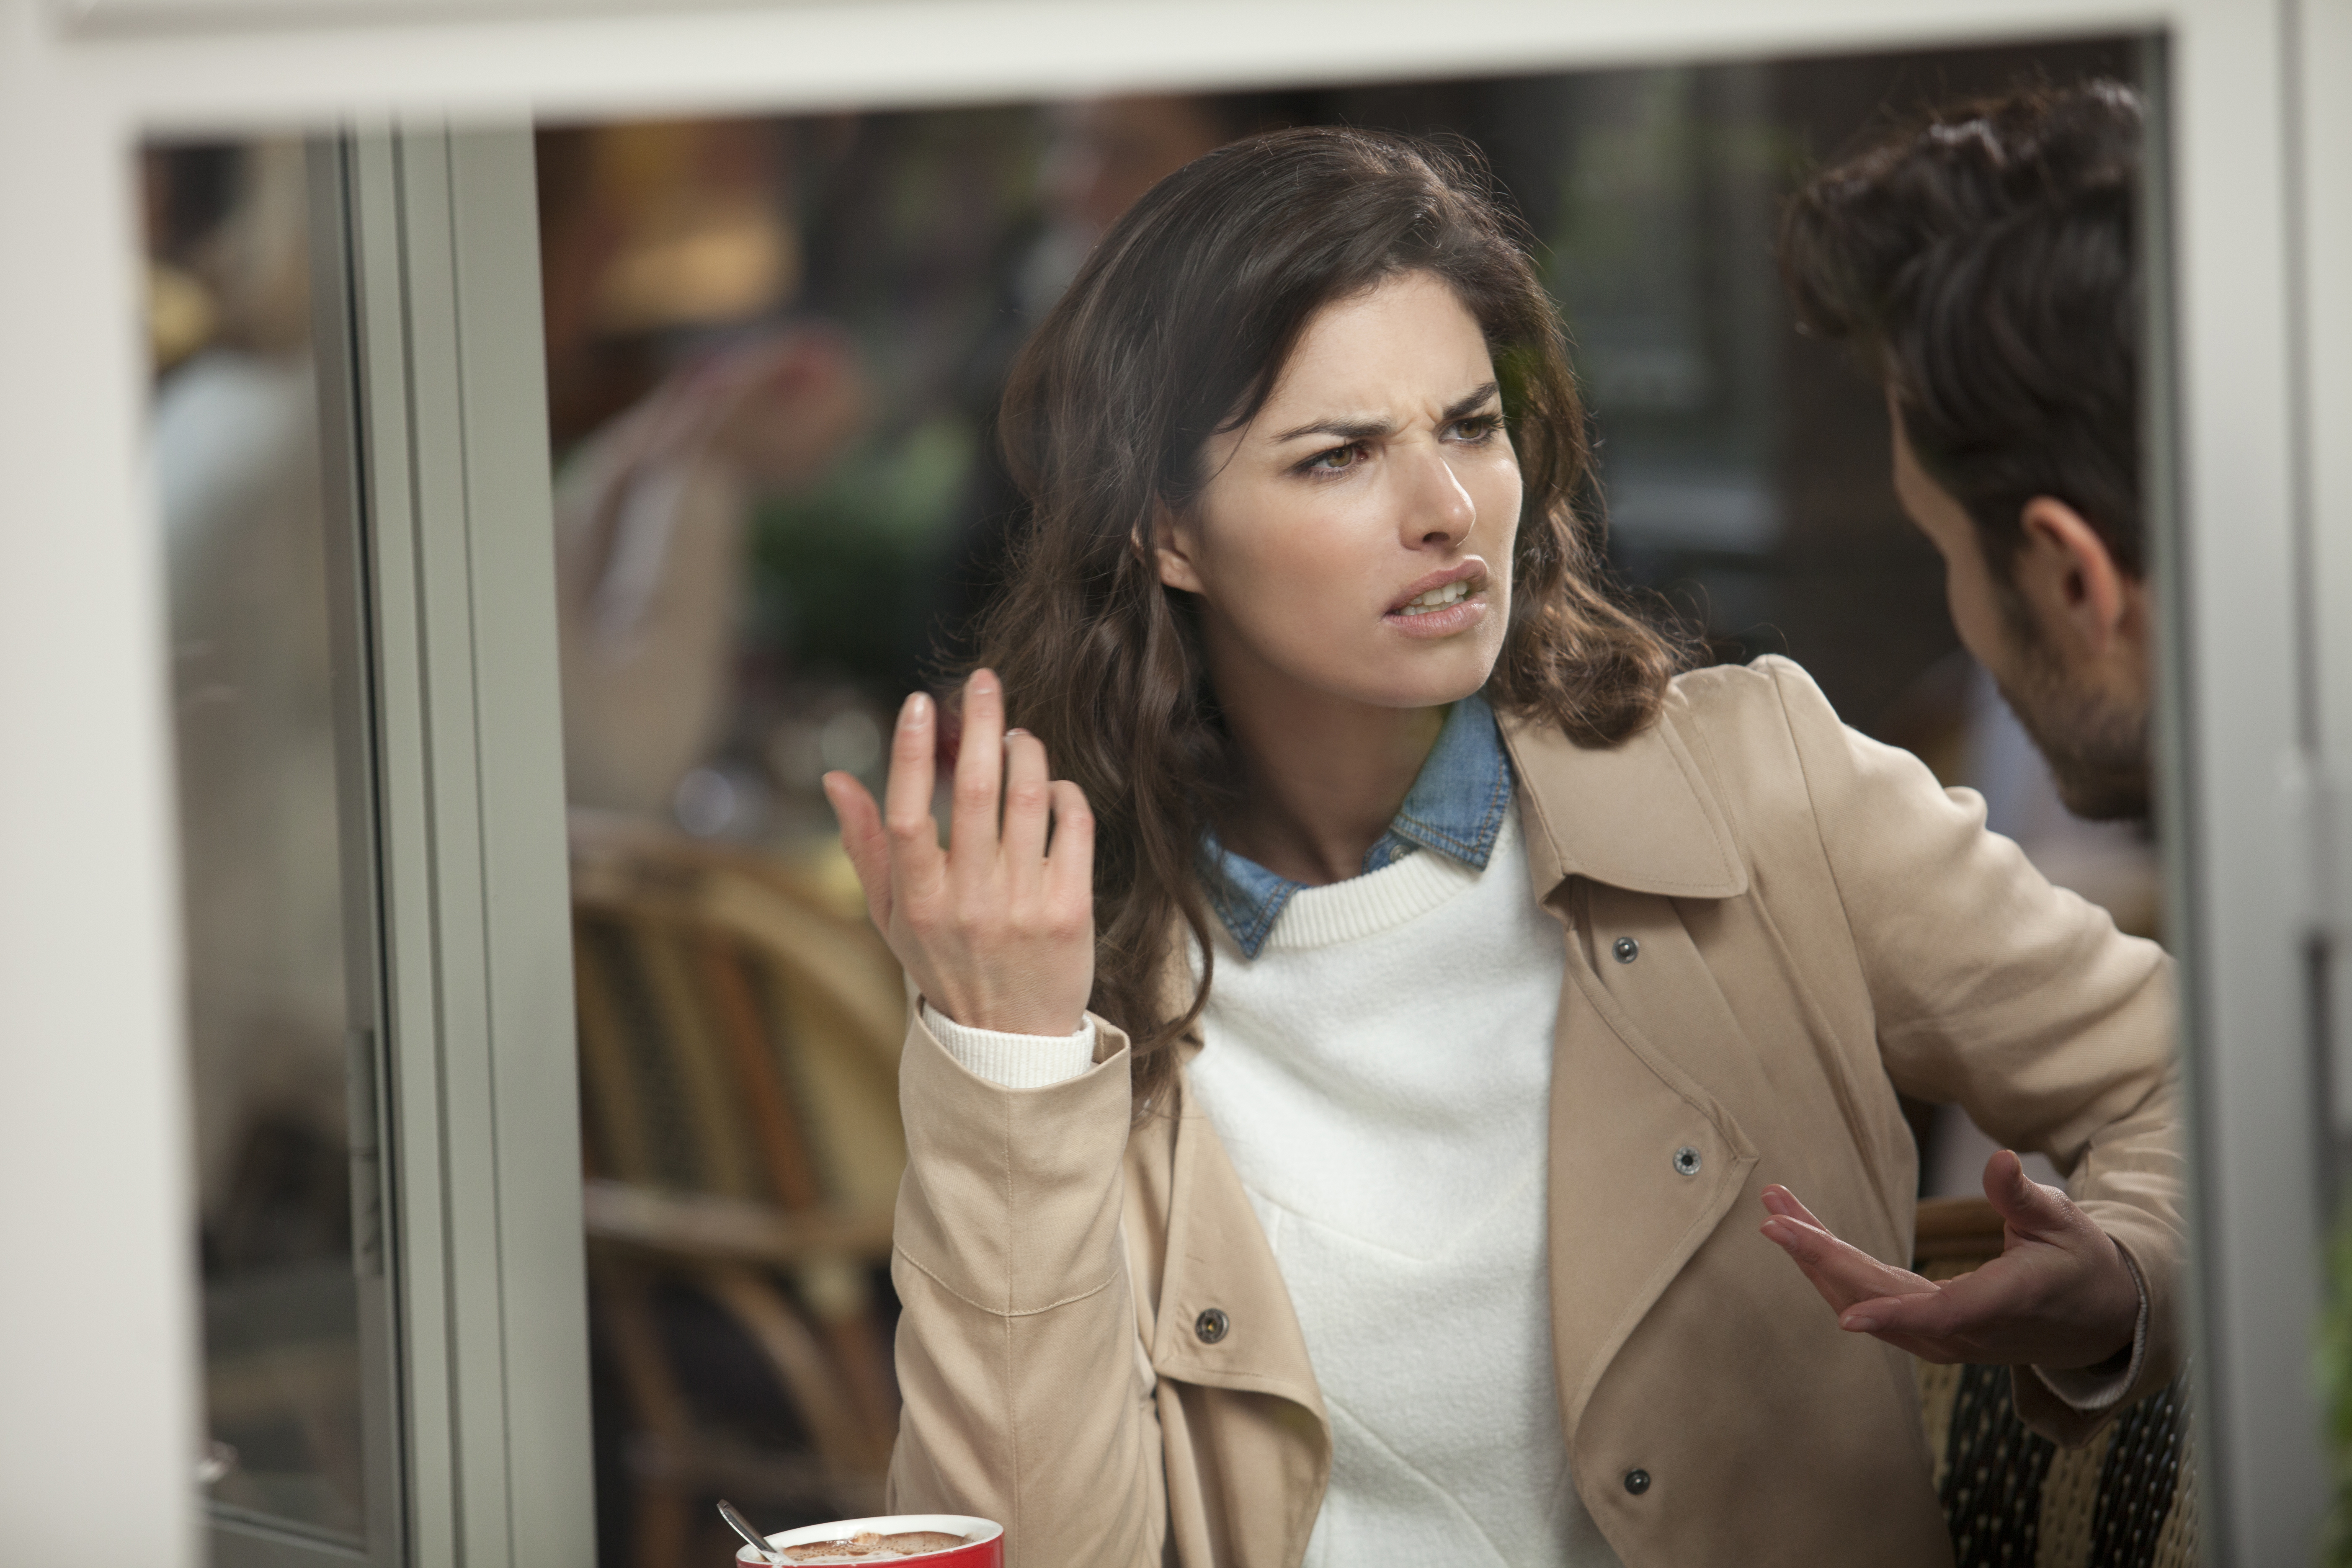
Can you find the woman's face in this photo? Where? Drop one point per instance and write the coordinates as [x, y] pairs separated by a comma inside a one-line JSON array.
[[1355, 539]]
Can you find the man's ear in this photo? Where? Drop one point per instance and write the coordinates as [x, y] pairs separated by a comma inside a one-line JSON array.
[[2069, 580], [1173, 543]]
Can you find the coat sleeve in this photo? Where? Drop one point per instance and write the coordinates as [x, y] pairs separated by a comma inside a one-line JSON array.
[[2018, 1000], [1025, 1398]]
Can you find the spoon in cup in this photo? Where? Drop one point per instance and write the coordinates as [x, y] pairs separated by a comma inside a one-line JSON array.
[[743, 1527]]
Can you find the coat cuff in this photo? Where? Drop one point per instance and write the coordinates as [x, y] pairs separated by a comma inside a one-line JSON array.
[[2092, 1389], [1011, 1200], [1021, 1062]]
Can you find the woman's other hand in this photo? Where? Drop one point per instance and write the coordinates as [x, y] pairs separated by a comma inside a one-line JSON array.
[[997, 931], [2059, 1296]]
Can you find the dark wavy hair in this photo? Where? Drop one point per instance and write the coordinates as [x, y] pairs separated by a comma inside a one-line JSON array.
[[1983, 258], [1177, 328]]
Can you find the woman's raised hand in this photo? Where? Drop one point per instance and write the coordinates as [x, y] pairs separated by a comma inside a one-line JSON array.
[[997, 932]]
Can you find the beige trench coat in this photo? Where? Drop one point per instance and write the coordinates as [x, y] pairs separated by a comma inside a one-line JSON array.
[[1820, 925]]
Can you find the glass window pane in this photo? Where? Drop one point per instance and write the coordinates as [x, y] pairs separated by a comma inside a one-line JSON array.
[[236, 446], [775, 352]]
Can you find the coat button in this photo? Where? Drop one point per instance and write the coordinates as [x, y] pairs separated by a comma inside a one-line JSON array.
[[1637, 1482], [1686, 1160], [1212, 1325], [1627, 949]]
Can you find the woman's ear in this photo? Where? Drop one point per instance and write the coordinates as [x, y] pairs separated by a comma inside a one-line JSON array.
[[2065, 574], [1174, 545]]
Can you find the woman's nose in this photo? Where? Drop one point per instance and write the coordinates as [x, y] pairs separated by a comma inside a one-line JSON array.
[[1437, 510]]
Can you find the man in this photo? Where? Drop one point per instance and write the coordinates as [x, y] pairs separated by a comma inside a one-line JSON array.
[[1985, 264], [1982, 262]]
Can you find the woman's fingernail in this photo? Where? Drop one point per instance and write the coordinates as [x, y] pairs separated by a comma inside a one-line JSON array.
[[1859, 1322], [983, 681], [916, 711], [1010, 734]]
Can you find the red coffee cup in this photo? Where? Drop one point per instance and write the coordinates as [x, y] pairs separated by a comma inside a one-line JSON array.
[[983, 1546]]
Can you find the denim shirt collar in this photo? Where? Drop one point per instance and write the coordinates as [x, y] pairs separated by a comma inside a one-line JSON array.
[[1455, 807]]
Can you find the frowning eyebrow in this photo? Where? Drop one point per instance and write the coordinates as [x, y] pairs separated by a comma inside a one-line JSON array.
[[1374, 429]]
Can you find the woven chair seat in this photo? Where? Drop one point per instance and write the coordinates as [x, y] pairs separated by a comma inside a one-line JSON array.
[[2128, 1499]]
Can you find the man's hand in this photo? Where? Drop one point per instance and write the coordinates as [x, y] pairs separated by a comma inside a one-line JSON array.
[[2059, 1296]]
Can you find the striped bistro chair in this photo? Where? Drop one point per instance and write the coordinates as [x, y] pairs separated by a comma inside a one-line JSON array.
[[2125, 1500], [739, 1042]]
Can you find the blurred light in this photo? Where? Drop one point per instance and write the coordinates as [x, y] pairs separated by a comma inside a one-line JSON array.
[[705, 803], [850, 740]]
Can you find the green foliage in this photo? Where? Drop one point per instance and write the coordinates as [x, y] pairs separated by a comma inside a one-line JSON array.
[[844, 574], [2336, 1386]]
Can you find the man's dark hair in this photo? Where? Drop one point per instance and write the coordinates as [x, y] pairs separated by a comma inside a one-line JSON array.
[[1984, 260]]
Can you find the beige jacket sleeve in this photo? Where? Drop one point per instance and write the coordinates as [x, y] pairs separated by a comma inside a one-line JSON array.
[[2018, 1000], [1027, 1398]]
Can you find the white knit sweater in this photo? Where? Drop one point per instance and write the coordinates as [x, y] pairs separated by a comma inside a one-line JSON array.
[[1380, 1076]]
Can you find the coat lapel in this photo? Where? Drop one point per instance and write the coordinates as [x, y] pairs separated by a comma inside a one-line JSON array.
[[1640, 814], [1225, 1326], [1627, 1117], [1623, 1218], [1218, 1261]]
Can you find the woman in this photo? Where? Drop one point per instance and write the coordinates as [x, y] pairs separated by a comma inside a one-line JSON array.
[[1331, 1151]]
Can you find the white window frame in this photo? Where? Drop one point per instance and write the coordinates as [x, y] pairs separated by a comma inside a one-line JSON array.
[[99, 1406], [447, 421]]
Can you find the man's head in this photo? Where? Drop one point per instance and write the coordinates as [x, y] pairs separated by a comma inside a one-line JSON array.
[[1984, 259]]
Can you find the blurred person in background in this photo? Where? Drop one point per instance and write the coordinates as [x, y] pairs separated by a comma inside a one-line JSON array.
[[235, 444], [1101, 156], [1982, 262], [670, 241], [1534, 962]]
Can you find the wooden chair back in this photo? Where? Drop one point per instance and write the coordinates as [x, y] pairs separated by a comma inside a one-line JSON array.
[[739, 1041]]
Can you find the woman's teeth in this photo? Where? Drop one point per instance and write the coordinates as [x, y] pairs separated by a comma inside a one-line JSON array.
[[1435, 599]]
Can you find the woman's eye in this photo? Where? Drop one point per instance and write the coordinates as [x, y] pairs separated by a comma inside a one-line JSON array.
[[1478, 427], [1337, 458]]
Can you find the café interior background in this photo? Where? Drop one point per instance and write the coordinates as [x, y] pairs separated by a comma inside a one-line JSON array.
[[773, 350]]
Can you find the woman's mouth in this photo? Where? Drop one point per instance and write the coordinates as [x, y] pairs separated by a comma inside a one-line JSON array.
[[1457, 601], [1437, 598]]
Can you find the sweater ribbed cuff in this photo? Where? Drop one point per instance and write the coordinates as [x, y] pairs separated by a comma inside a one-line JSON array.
[[1015, 1061]]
